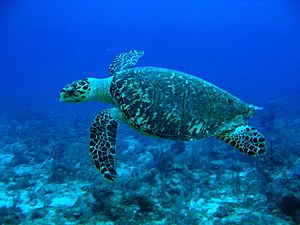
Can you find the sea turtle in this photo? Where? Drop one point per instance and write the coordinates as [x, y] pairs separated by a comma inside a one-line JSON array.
[[161, 103]]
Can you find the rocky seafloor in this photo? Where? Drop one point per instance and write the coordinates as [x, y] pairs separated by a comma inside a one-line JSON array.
[[48, 177]]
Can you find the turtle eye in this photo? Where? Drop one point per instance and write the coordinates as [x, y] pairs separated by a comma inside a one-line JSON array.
[[71, 91]]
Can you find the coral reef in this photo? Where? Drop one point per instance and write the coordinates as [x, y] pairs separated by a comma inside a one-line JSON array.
[[49, 177]]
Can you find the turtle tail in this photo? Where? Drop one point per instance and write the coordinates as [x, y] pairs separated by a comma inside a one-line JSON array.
[[246, 139]]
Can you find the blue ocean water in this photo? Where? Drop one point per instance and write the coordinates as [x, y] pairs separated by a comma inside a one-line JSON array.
[[249, 48]]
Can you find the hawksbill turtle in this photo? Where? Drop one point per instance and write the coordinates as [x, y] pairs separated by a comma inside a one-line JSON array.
[[161, 103]]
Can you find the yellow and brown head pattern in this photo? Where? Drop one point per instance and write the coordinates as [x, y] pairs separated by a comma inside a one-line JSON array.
[[77, 91]]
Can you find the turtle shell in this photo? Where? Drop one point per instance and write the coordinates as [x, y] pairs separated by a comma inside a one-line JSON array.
[[175, 105]]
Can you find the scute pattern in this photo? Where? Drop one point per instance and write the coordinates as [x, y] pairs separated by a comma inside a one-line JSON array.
[[174, 105], [103, 133], [134, 98], [246, 139]]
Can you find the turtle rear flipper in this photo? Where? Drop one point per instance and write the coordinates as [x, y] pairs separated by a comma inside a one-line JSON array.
[[103, 133], [246, 139]]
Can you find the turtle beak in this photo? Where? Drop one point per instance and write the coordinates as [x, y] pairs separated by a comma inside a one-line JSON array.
[[67, 95], [62, 95]]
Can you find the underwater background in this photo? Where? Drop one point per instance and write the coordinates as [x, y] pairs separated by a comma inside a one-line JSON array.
[[249, 48]]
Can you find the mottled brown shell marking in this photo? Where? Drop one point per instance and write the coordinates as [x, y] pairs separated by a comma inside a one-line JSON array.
[[174, 105]]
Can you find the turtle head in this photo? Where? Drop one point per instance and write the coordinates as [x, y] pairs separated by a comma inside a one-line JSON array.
[[85, 90], [77, 91]]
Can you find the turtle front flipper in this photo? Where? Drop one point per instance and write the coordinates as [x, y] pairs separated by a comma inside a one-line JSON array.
[[124, 61], [103, 133], [246, 139]]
